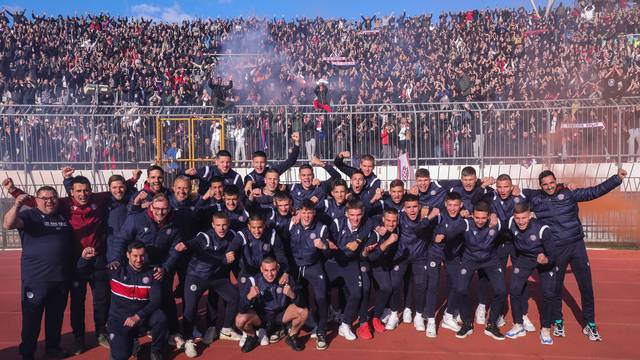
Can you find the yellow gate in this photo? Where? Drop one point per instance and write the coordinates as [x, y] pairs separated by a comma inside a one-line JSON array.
[[182, 131]]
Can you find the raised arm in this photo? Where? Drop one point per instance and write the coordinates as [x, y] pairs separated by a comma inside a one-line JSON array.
[[339, 163], [594, 192]]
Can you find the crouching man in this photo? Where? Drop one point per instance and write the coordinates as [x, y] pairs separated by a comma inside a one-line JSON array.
[[265, 303], [136, 298]]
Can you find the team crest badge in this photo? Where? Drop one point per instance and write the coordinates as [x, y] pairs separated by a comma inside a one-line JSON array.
[[432, 264], [279, 290], [433, 192], [312, 236], [492, 232], [363, 269], [463, 271], [561, 197], [243, 280], [168, 231], [516, 270], [396, 268], [193, 287], [145, 280], [30, 295], [241, 218], [532, 237], [265, 247]]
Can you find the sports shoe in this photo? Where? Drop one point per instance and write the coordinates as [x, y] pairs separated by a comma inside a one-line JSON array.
[[190, 349], [176, 340], [406, 316], [262, 336], [431, 328], [516, 331], [103, 340], [527, 324], [493, 331], [545, 336], [459, 319], [392, 321], [229, 334], [210, 335], [57, 353], [481, 314], [243, 338], [78, 346], [364, 331], [321, 341], [314, 333], [294, 344], [465, 330], [501, 322], [345, 331], [591, 330], [385, 315], [418, 322], [558, 329], [448, 322], [378, 326], [250, 343], [276, 336]]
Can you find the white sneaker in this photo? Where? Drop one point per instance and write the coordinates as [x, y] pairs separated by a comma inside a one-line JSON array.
[[448, 322], [243, 338], [210, 335], [392, 321], [314, 334], [545, 336], [528, 325], [431, 328], [501, 322], [277, 336], [385, 315], [418, 322], [345, 331], [262, 336], [176, 340], [516, 331], [481, 314], [406, 316], [459, 319], [190, 349], [229, 334]]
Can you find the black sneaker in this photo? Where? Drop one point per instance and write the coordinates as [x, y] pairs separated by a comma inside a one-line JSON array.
[[155, 355], [494, 331], [321, 341], [78, 346], [465, 330], [292, 341], [57, 353], [250, 343], [103, 340]]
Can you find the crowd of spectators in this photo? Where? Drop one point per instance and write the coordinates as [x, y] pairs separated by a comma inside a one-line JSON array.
[[481, 55]]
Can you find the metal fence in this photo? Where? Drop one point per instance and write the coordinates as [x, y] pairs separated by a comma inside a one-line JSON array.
[[482, 134]]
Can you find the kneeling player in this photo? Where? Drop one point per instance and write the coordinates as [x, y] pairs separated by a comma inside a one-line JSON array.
[[534, 246], [136, 298], [264, 303]]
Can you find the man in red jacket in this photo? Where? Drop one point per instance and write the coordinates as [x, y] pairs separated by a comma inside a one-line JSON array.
[[86, 213]]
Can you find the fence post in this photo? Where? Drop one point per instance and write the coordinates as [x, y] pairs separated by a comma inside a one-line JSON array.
[[549, 144], [481, 145], [351, 135], [25, 161], [620, 135], [286, 132], [416, 133], [93, 148]]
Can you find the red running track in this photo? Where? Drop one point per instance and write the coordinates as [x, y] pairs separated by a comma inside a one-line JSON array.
[[616, 275]]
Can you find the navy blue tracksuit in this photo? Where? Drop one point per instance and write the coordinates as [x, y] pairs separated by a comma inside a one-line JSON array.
[[270, 304], [344, 264], [207, 173], [479, 252], [299, 193], [449, 252], [535, 239], [560, 212], [208, 270], [255, 250], [46, 265], [133, 292], [412, 254], [309, 270], [160, 241], [281, 168], [437, 190], [381, 263], [503, 208]]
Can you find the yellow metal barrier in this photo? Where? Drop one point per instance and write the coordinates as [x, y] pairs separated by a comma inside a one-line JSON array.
[[182, 130]]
